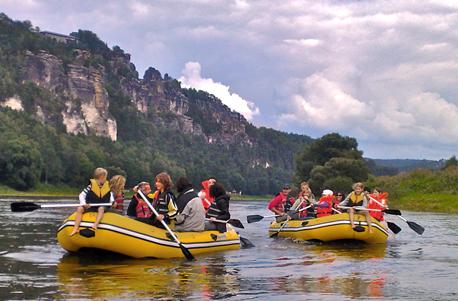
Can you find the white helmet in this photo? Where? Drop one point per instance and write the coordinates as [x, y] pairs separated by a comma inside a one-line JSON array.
[[327, 192]]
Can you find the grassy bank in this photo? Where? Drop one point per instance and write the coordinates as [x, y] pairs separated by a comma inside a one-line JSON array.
[[422, 190], [41, 191]]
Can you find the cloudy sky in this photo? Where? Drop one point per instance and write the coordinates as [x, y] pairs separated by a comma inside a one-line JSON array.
[[385, 72]]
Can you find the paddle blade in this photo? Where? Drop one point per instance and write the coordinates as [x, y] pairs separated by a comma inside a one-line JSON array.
[[24, 206], [275, 234], [245, 243], [254, 218], [236, 223], [186, 252], [392, 211], [416, 227], [393, 227]]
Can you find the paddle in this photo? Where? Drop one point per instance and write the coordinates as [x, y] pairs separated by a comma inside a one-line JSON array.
[[414, 226], [29, 206], [392, 226], [284, 224], [238, 224], [275, 234], [256, 218], [234, 222], [387, 211], [185, 251]]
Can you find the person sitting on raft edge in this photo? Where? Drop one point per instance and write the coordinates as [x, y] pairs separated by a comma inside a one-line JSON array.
[[97, 192], [191, 212], [357, 198], [219, 209], [282, 203]]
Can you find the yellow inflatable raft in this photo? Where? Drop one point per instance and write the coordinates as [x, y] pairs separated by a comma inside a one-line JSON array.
[[123, 235], [331, 228]]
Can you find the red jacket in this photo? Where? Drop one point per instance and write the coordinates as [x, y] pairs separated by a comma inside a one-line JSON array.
[[278, 202], [208, 199], [382, 198], [119, 202], [324, 206]]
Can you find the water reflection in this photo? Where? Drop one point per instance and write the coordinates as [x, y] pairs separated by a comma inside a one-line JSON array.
[[81, 277]]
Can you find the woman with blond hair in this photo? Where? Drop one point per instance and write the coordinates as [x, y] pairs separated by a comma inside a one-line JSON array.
[[117, 184]]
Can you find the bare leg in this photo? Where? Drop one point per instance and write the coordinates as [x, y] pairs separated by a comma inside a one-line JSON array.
[[78, 217], [351, 212], [100, 213], [368, 220]]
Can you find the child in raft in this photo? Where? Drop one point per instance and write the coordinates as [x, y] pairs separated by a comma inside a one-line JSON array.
[[357, 198], [378, 200], [117, 184], [97, 192]]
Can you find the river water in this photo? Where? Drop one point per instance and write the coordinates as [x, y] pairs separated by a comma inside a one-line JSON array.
[[409, 267]]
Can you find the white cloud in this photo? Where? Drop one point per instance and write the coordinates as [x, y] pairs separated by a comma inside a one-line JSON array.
[[390, 69], [322, 104], [303, 42], [191, 77]]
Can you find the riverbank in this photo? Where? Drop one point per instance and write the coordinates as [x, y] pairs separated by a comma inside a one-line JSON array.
[[434, 202], [52, 192], [41, 191]]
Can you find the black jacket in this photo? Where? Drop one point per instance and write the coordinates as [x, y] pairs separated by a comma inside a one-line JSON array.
[[219, 209], [184, 197]]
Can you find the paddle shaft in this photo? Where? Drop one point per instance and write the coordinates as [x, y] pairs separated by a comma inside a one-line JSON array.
[[157, 214], [217, 221], [71, 205], [360, 208]]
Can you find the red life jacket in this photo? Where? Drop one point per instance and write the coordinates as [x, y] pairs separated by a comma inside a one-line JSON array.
[[378, 215], [142, 210], [324, 211], [119, 202], [208, 199]]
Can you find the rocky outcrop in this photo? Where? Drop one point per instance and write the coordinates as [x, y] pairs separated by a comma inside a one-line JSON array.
[[80, 88]]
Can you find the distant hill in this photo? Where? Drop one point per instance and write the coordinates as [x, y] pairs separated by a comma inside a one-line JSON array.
[[381, 167], [69, 103]]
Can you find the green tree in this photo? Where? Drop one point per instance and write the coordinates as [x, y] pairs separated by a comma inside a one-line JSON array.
[[20, 163], [450, 162], [332, 161]]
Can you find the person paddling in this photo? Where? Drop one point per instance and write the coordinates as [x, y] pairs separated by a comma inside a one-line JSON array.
[[191, 212], [138, 208], [324, 205], [282, 203], [97, 192], [357, 198], [304, 199], [164, 202], [219, 209], [378, 200]]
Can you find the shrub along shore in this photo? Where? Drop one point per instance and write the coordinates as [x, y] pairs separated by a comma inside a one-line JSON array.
[[421, 190]]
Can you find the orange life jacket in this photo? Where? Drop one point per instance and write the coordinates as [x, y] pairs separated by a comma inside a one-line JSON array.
[[324, 211], [378, 215], [142, 210]]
